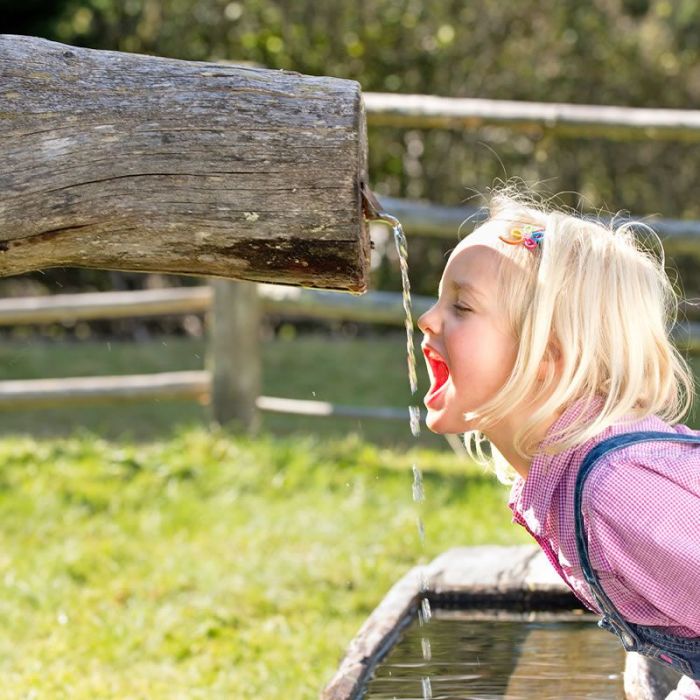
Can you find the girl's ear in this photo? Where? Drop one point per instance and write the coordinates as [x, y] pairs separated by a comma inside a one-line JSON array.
[[552, 362]]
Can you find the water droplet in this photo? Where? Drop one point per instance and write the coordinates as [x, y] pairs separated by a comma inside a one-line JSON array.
[[421, 529], [402, 250], [424, 612], [418, 493], [425, 609], [414, 417]]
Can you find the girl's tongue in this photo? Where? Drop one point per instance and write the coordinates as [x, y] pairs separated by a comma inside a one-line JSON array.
[[439, 372]]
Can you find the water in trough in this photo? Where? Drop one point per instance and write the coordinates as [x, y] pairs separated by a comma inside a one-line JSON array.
[[510, 656]]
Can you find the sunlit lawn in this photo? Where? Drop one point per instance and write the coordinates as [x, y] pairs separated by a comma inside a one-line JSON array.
[[207, 565]]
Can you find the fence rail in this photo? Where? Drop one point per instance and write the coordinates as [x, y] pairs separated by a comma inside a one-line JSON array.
[[561, 119], [187, 385], [372, 307], [424, 219]]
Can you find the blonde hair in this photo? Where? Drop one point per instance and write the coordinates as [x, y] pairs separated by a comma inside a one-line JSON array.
[[594, 296]]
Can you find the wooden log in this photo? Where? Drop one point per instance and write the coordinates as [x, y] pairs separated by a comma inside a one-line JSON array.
[[130, 162]]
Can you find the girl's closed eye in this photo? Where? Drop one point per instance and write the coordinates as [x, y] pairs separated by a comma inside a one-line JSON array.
[[460, 308]]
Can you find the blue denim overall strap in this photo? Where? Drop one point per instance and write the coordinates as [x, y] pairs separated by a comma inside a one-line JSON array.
[[681, 653]]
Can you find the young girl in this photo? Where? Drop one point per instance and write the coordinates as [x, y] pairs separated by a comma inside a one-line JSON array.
[[550, 338]]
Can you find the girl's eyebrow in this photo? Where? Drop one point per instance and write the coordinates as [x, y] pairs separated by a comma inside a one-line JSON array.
[[458, 285]]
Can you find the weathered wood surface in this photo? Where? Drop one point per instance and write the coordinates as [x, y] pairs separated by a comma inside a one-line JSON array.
[[488, 573], [132, 162]]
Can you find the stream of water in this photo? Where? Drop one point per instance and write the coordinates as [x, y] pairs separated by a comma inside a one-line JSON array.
[[424, 612]]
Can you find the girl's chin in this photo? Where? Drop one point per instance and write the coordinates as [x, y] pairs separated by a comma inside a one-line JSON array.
[[438, 422], [441, 422]]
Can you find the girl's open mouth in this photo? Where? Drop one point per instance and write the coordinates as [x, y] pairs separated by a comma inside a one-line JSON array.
[[439, 374]]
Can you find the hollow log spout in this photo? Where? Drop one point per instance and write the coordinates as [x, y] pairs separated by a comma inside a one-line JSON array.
[[131, 162]]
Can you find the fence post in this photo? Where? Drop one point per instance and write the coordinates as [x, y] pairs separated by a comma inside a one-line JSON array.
[[234, 352]]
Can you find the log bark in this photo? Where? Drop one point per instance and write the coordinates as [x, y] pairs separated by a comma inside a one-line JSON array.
[[131, 162]]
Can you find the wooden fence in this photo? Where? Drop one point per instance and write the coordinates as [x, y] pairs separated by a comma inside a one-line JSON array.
[[232, 385], [235, 366]]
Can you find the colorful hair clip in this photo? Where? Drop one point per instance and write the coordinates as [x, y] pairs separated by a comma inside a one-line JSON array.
[[530, 236]]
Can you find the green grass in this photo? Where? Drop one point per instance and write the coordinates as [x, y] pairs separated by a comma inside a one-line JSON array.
[[209, 565]]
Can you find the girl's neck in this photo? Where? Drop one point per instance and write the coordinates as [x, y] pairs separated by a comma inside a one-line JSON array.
[[502, 437]]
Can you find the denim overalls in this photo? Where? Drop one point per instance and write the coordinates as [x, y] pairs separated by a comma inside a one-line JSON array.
[[681, 653]]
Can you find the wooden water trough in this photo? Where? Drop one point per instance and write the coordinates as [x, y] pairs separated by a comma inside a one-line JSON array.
[[482, 576], [131, 162], [494, 578]]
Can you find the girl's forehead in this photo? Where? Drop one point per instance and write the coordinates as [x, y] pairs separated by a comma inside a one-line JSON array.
[[481, 249], [473, 266], [476, 260]]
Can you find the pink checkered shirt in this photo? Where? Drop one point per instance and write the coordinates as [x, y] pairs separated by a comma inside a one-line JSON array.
[[643, 521]]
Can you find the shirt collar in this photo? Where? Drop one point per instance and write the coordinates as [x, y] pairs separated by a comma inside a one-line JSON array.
[[531, 498]]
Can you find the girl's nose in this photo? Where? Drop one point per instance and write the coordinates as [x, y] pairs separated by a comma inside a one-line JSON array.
[[427, 323]]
